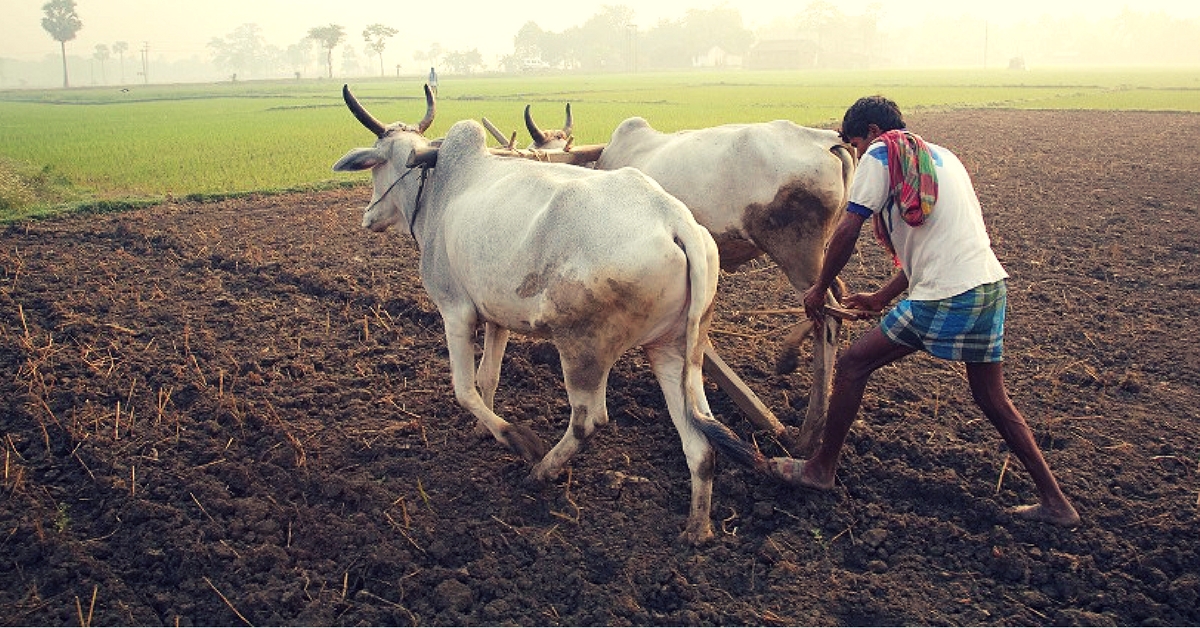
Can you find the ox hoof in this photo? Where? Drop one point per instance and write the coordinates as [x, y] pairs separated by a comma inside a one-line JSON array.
[[543, 472], [540, 477], [524, 443], [533, 482]]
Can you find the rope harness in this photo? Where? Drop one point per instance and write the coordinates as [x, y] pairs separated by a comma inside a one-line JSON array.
[[416, 206]]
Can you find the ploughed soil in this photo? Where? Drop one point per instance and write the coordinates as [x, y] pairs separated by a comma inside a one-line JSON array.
[[240, 412]]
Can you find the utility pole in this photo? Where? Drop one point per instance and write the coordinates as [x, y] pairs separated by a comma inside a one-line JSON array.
[[633, 37], [985, 43], [145, 63]]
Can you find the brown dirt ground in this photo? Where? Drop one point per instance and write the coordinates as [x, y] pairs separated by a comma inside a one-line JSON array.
[[240, 412]]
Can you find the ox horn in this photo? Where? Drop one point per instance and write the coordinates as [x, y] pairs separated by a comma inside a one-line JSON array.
[[430, 111], [363, 116], [538, 136], [424, 157]]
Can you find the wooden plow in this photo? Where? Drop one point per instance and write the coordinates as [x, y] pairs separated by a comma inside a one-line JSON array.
[[570, 154]]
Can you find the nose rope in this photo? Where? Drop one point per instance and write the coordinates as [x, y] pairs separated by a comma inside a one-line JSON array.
[[417, 206]]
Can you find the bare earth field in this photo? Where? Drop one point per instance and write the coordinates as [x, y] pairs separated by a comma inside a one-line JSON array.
[[240, 413]]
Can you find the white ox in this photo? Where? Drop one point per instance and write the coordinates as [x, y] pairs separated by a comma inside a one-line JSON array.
[[773, 188], [597, 262]]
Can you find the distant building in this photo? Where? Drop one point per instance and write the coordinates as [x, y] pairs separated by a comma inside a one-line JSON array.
[[782, 54], [533, 65], [716, 57]]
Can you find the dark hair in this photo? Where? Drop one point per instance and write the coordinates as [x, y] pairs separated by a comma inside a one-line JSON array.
[[876, 110]]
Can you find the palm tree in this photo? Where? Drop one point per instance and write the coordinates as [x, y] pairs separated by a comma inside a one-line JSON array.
[[374, 36], [329, 36], [120, 47], [62, 23], [102, 55]]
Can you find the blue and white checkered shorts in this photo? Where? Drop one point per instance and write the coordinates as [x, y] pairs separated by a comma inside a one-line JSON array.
[[967, 327]]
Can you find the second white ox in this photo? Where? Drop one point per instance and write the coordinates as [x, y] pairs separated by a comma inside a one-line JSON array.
[[773, 188], [597, 262]]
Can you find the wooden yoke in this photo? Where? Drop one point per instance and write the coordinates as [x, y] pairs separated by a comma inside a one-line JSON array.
[[571, 154], [577, 156]]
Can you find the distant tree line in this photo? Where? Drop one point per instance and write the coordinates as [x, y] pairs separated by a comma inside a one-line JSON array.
[[610, 40], [818, 35]]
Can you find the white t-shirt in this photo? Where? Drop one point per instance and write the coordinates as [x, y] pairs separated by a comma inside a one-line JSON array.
[[951, 252]]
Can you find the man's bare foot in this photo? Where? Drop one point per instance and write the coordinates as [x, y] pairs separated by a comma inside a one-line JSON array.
[[793, 472], [1065, 516]]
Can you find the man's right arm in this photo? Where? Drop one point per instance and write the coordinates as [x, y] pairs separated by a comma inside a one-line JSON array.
[[840, 248], [837, 254]]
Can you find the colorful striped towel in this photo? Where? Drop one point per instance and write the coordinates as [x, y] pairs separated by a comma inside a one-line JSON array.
[[913, 181]]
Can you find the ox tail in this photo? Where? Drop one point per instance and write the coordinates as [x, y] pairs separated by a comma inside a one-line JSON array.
[[848, 163], [728, 443], [703, 290]]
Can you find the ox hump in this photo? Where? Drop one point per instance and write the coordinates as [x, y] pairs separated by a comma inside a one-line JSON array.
[[464, 138], [633, 125]]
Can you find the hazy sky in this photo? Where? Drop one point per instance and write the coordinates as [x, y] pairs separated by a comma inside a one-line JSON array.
[[178, 29]]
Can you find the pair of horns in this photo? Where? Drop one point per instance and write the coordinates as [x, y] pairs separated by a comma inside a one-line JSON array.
[[538, 135], [378, 128]]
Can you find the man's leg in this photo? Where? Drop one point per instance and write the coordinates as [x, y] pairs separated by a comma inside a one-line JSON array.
[[854, 368], [987, 387]]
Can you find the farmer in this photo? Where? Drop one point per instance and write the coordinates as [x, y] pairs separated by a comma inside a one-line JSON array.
[[926, 214], [433, 81]]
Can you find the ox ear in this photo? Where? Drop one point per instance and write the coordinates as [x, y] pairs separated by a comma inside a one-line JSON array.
[[360, 159]]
